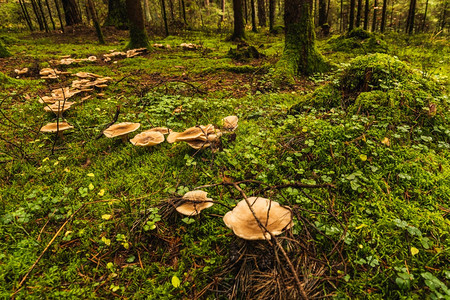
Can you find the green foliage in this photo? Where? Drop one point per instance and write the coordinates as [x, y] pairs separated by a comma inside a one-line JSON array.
[[358, 41], [3, 51]]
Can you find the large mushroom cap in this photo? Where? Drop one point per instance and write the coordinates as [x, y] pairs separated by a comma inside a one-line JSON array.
[[196, 202], [54, 127], [59, 107], [163, 130], [230, 123], [189, 134], [148, 138], [270, 213], [120, 129]]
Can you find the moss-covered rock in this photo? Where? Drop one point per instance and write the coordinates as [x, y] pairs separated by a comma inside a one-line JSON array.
[[358, 41], [380, 85]]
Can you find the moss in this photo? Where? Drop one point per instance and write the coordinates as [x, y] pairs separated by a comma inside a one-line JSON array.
[[358, 41], [3, 51], [359, 33]]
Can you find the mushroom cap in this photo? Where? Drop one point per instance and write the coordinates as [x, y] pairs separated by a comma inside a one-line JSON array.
[[120, 129], [189, 134], [53, 127], [230, 123], [59, 106], [198, 144], [163, 130], [148, 138], [270, 213], [194, 208]]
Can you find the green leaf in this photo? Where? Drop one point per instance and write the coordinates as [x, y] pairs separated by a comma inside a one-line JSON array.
[[414, 251], [176, 282], [363, 157]]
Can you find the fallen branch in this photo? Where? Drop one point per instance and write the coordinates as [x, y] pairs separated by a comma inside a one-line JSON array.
[[116, 116]]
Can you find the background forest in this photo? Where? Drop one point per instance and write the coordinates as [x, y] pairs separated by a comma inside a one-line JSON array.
[[337, 110]]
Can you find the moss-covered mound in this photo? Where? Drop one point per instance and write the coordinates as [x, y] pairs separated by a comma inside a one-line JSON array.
[[358, 41], [381, 84], [3, 51]]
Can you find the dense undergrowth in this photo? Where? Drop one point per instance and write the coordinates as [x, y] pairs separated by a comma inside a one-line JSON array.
[[377, 129]]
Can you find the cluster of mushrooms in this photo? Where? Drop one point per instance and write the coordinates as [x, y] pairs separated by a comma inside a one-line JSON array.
[[198, 137], [242, 219]]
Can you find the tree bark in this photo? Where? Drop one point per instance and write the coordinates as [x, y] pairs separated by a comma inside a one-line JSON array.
[[38, 16], [117, 14], [71, 12], [341, 19], [358, 14], [425, 16], [252, 3], [374, 20], [351, 19], [271, 15], [366, 15], [300, 52], [26, 15], [322, 12], [383, 16], [98, 29], [50, 14], [59, 15], [138, 36], [411, 16], [163, 8], [238, 31], [41, 10], [262, 13]]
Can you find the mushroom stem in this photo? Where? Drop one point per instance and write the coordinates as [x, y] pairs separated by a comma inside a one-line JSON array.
[[124, 138], [60, 135]]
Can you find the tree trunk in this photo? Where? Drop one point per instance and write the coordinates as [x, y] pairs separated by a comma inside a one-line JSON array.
[[245, 11], [138, 36], [374, 20], [184, 10], [300, 52], [444, 16], [366, 15], [252, 3], [425, 17], [383, 16], [271, 15], [351, 19], [71, 12], [163, 8], [38, 16], [50, 14], [358, 14], [322, 12], [341, 20], [238, 32], [172, 16], [117, 14], [43, 15], [262, 13], [26, 15], [98, 29], [411, 16], [59, 15]]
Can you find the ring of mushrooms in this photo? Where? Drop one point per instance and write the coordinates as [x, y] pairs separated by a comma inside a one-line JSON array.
[[274, 217], [59, 107], [148, 138], [194, 202], [121, 130], [56, 127], [197, 137]]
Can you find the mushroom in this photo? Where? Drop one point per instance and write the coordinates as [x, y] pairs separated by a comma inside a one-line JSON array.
[[21, 71], [195, 202], [271, 214], [163, 130], [230, 123], [198, 137], [59, 107], [56, 127], [189, 134], [121, 129], [148, 138]]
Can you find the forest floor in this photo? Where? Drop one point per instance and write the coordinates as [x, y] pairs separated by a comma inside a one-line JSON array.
[[360, 154]]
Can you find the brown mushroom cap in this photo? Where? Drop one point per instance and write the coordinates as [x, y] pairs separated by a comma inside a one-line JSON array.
[[270, 213], [53, 127], [59, 107], [163, 130], [148, 138], [230, 123], [189, 208], [189, 134], [198, 144], [121, 129]]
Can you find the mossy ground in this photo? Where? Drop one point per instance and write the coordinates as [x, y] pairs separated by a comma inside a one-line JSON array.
[[391, 172]]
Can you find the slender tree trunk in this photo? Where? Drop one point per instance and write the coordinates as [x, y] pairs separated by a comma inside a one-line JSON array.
[[172, 15], [271, 15], [411, 17], [50, 14], [98, 29], [117, 14], [38, 16], [147, 15], [222, 16], [252, 3], [391, 23], [26, 15], [163, 8], [366, 15], [59, 15], [71, 12], [184, 11], [238, 31], [444, 16], [374, 20], [300, 52], [138, 36], [425, 16], [358, 14], [322, 12], [341, 21], [41, 10], [351, 19], [262, 13], [383, 16]]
